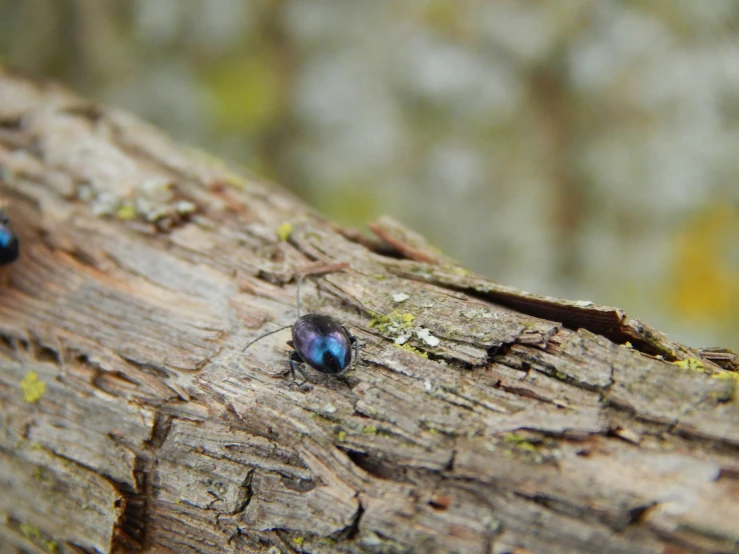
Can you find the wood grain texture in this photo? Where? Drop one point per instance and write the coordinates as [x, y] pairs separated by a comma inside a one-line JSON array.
[[479, 419]]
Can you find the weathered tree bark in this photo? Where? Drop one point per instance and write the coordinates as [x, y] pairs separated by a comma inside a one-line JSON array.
[[131, 419]]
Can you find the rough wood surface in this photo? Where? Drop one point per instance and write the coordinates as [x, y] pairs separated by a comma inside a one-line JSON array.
[[506, 422]]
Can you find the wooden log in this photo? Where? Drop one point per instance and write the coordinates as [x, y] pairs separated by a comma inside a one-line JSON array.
[[480, 418]]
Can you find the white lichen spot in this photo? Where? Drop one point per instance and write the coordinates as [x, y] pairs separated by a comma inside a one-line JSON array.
[[426, 336], [185, 207], [370, 540], [157, 213], [328, 409], [400, 297], [105, 203], [584, 303], [156, 188], [403, 337], [143, 205], [85, 193], [427, 386]]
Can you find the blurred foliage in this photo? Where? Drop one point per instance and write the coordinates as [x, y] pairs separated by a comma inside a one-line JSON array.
[[246, 95], [705, 271], [574, 148]]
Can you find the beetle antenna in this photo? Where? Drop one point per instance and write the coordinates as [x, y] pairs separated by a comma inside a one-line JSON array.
[[297, 295], [266, 335]]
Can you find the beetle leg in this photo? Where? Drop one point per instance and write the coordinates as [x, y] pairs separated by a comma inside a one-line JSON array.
[[354, 342], [295, 363], [290, 344]]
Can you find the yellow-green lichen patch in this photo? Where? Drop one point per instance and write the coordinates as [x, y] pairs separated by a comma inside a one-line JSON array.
[[29, 531], [369, 430], [342, 436], [520, 442], [692, 364], [560, 376], [727, 375], [410, 349], [298, 541], [393, 322], [38, 474], [126, 212], [462, 272], [719, 396], [51, 546], [235, 181], [32, 388], [285, 230]]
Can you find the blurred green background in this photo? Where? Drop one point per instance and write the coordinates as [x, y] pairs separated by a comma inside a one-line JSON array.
[[585, 149]]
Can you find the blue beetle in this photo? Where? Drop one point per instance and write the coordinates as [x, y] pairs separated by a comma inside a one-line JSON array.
[[323, 343], [9, 246], [319, 341]]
